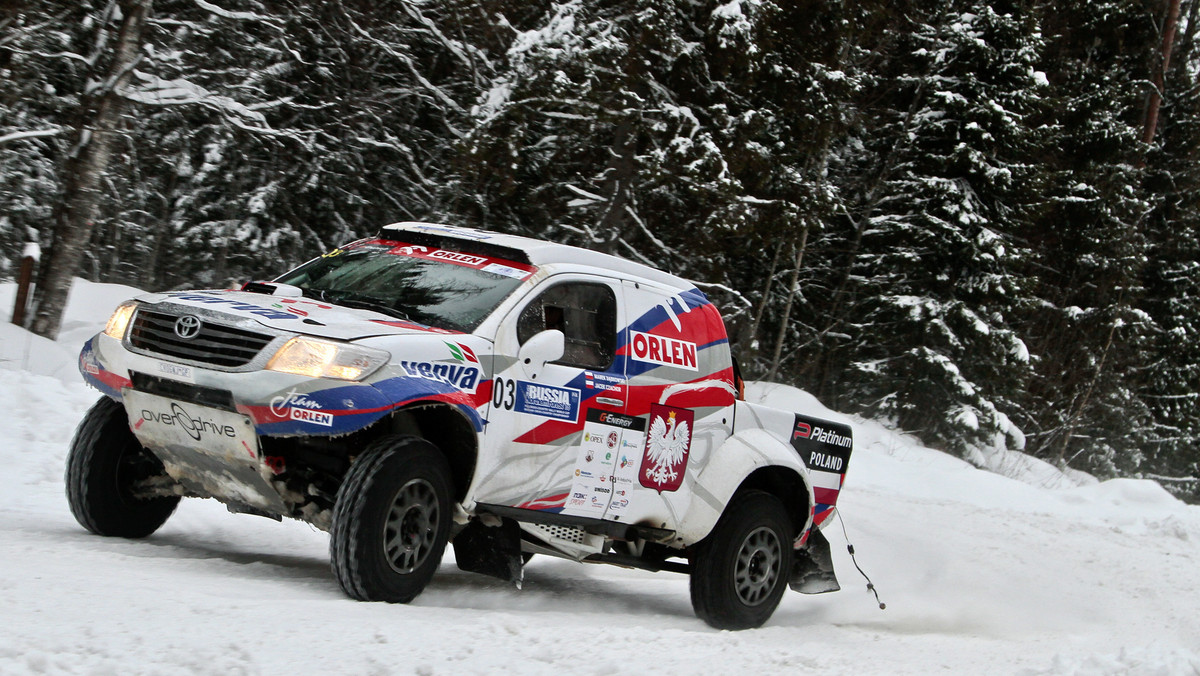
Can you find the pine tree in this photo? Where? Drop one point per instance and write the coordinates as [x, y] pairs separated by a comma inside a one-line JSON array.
[[1170, 383], [1085, 330], [933, 279], [258, 134], [631, 127], [45, 51]]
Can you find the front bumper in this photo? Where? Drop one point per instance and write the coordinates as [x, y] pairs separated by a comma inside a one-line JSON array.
[[218, 429], [278, 404], [207, 425]]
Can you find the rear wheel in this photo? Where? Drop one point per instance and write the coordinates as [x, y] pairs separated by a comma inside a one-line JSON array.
[[740, 571], [108, 476], [391, 520]]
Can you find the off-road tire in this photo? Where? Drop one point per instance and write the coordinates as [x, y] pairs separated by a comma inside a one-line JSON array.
[[391, 520], [740, 571], [105, 466]]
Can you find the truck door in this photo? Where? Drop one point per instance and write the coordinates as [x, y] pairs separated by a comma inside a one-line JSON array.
[[554, 427]]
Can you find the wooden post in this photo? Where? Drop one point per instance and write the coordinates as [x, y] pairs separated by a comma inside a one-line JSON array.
[[29, 258]]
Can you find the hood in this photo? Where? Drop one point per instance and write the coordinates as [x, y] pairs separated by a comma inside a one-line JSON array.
[[297, 315]]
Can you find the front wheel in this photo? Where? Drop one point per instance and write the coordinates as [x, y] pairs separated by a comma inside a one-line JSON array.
[[391, 520], [740, 571], [108, 473]]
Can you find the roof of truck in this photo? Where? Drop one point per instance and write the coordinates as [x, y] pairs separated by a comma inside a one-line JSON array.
[[528, 250]]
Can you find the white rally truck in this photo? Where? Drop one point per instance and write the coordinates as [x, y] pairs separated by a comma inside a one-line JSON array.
[[437, 384]]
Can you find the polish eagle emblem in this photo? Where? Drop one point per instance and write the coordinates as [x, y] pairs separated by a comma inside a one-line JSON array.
[[667, 444]]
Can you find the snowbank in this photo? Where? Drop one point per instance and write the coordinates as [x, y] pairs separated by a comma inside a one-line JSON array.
[[88, 308]]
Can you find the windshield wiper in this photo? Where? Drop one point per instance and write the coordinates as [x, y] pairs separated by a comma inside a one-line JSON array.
[[366, 304], [331, 296], [313, 292]]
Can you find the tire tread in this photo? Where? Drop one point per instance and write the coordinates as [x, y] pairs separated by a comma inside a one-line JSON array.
[[713, 597], [101, 440], [349, 554]]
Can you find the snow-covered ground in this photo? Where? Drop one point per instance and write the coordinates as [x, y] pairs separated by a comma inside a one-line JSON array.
[[982, 574]]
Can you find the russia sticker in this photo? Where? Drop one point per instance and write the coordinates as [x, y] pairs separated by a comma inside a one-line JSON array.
[[547, 401]]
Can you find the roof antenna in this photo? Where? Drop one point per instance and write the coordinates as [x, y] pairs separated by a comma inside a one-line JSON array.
[[850, 548]]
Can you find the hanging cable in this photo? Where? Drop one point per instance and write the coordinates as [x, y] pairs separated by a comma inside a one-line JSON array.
[[850, 548]]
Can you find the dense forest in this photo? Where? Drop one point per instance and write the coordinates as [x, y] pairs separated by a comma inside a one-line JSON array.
[[976, 219]]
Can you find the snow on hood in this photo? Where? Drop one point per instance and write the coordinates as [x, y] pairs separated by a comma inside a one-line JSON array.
[[299, 315]]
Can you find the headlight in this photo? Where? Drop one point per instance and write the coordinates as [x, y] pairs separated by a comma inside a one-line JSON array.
[[318, 358], [119, 321]]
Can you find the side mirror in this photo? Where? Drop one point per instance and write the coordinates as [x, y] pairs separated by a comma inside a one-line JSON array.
[[547, 346]]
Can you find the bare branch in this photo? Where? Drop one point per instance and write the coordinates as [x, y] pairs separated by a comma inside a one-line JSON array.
[[21, 135], [429, 86], [239, 16]]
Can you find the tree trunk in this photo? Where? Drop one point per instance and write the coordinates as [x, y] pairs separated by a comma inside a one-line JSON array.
[[787, 308], [75, 214], [1160, 76], [618, 178], [750, 339], [1061, 459]]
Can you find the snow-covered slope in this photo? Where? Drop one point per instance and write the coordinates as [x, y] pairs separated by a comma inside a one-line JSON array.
[[981, 574]]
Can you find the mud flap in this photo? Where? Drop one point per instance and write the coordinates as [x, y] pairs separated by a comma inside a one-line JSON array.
[[812, 567], [490, 550]]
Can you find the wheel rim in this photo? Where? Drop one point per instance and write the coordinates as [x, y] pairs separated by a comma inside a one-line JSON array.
[[411, 526], [758, 566]]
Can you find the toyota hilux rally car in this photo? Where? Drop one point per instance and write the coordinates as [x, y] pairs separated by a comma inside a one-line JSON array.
[[437, 384]]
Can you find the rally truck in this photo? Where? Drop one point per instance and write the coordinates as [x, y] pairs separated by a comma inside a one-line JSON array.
[[437, 384]]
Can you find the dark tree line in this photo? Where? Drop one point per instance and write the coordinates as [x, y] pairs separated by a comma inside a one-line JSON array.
[[977, 219]]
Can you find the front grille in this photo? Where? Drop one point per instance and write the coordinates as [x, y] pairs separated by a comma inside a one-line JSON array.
[[215, 344]]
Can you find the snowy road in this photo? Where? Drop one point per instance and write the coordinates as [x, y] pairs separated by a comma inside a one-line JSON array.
[[982, 574]]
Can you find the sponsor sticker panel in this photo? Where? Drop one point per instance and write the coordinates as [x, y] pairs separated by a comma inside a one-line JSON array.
[[313, 417], [231, 304], [300, 407], [463, 377], [457, 257], [506, 271], [603, 382], [602, 481], [825, 448], [625, 470], [176, 371]]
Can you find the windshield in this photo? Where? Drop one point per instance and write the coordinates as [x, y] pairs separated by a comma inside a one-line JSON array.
[[436, 287]]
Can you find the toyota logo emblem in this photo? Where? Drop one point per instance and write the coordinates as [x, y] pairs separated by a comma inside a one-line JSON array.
[[187, 327]]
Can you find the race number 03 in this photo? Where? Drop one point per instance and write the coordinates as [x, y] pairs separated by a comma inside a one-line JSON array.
[[504, 395]]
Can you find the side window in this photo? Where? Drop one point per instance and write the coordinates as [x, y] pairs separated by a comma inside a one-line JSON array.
[[587, 316]]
